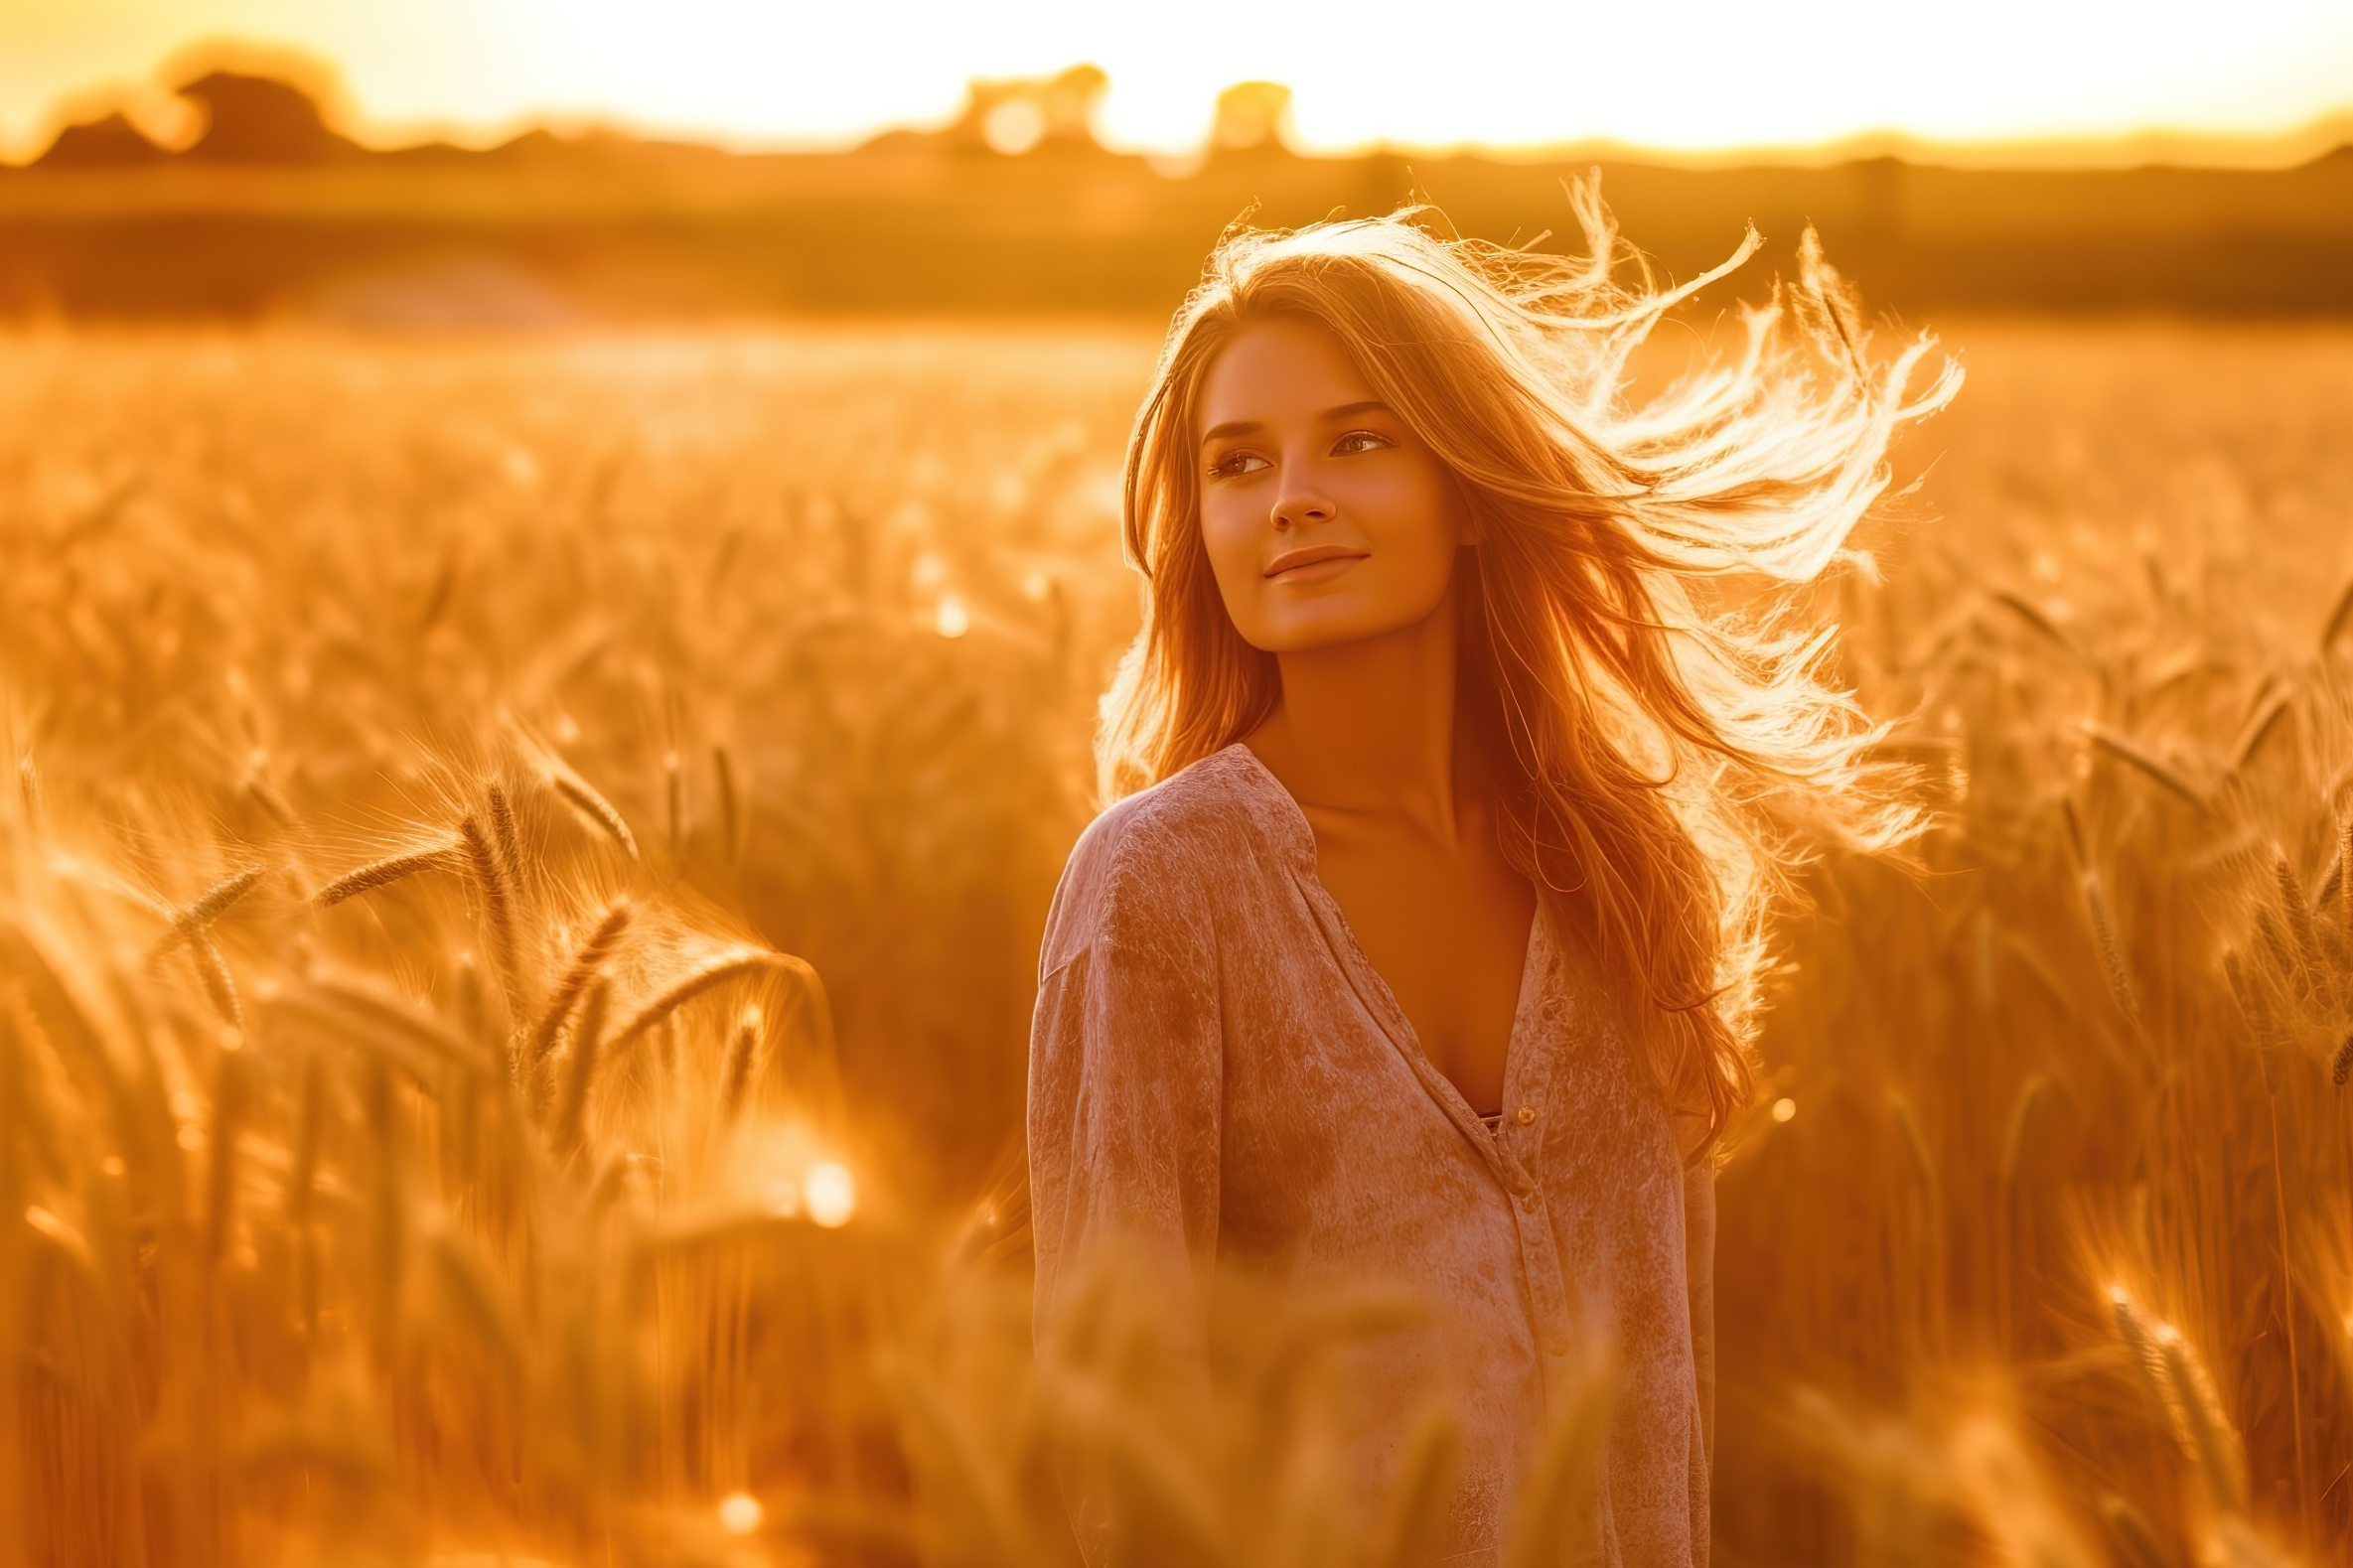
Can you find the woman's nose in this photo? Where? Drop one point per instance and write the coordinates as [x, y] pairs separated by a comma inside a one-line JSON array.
[[1299, 508]]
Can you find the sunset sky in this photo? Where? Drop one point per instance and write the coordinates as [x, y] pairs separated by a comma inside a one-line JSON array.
[[1695, 74]]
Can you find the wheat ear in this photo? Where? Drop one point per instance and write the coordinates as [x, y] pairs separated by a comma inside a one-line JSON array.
[[506, 835], [713, 971], [2141, 1339], [583, 968], [435, 856], [497, 902], [2345, 872], [28, 784], [209, 905], [2299, 917], [2205, 1427], [2341, 1067], [737, 1076], [219, 986], [2112, 951], [593, 808], [572, 1108]]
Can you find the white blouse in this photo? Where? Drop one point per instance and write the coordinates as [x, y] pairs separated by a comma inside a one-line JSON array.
[[1218, 1073]]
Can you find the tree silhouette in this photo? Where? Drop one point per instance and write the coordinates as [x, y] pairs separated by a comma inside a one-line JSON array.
[[260, 120], [112, 142]]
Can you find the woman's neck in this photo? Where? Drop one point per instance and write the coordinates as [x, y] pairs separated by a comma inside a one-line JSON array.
[[1369, 727]]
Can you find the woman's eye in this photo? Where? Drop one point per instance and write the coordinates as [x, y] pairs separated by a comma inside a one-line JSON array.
[[1234, 463], [1360, 441]]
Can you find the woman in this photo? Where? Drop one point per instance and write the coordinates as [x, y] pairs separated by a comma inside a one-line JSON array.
[[1419, 942]]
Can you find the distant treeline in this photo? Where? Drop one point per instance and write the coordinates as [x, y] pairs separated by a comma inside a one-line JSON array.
[[271, 211]]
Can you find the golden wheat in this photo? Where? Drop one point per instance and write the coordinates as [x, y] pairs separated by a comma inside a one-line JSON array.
[[430, 1259]]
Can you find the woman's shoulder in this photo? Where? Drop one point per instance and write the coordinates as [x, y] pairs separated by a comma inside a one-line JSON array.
[[1168, 852]]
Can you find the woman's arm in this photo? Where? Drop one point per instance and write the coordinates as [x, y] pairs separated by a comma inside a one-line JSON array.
[[1125, 1119], [1126, 1083]]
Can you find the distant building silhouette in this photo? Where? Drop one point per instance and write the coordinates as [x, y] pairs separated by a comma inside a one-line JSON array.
[[109, 143], [258, 119]]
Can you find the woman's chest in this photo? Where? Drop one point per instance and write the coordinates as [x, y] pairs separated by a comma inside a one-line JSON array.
[[1340, 1139]]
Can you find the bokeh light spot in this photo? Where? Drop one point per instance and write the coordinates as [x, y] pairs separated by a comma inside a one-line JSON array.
[[830, 1194], [739, 1514]]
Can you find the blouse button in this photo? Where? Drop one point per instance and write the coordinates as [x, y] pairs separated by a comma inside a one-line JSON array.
[[1524, 1115]]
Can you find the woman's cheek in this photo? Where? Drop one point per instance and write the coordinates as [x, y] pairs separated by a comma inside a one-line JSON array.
[[1232, 562]]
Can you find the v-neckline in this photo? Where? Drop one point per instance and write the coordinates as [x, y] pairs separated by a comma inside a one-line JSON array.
[[1374, 991]]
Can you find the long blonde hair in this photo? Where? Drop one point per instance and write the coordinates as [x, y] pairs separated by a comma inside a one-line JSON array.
[[1645, 754]]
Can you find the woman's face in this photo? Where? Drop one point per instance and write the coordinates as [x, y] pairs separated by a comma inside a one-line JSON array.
[[1326, 520]]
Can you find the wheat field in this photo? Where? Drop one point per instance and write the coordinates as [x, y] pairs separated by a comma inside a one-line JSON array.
[[517, 911]]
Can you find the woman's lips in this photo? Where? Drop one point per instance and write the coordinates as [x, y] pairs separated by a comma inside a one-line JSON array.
[[1317, 564]]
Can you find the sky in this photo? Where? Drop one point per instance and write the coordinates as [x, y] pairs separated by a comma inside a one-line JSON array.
[[1693, 76]]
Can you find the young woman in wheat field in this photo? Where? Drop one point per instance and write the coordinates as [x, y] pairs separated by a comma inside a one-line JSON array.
[[1450, 799]]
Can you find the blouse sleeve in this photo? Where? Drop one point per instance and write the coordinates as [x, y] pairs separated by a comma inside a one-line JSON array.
[[1700, 1279], [1125, 1093]]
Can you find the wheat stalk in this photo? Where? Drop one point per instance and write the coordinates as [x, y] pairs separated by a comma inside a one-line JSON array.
[[221, 1185], [2339, 618], [730, 834], [302, 1180], [2147, 763], [673, 792], [2257, 729]]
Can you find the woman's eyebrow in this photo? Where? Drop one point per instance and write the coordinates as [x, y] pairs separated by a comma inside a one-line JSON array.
[[1250, 427]]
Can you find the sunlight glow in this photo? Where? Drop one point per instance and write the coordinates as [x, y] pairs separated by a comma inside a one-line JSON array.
[[1710, 73], [739, 1514]]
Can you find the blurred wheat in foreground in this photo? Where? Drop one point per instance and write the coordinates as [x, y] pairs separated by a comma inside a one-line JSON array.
[[443, 772]]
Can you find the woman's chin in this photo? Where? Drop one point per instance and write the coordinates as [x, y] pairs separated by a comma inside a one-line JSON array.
[[1314, 634]]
